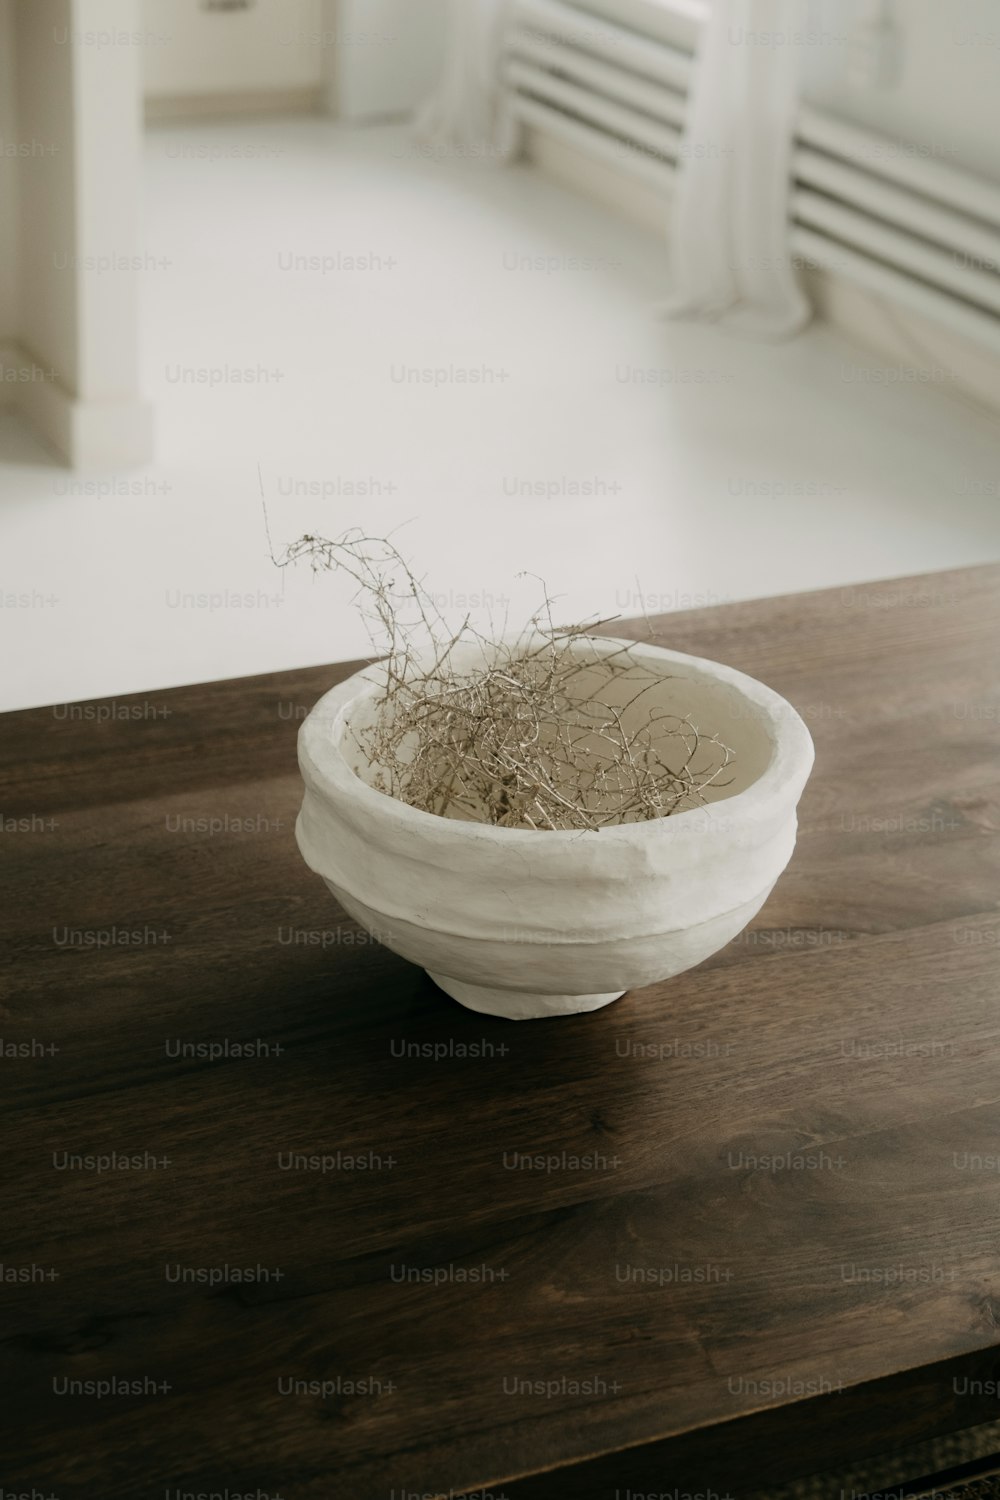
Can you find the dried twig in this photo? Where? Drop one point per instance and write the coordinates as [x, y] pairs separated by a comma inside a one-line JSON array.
[[530, 731]]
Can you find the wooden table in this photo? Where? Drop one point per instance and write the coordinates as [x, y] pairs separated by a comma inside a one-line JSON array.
[[763, 1235]]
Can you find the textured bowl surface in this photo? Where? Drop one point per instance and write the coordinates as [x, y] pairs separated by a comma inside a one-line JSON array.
[[529, 923]]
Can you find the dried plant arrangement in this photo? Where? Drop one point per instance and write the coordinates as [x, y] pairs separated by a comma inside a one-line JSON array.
[[544, 728]]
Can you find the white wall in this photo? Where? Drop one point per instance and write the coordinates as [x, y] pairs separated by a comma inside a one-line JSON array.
[[10, 145], [48, 326], [69, 252], [361, 59], [107, 142], [274, 44], [946, 99], [388, 56]]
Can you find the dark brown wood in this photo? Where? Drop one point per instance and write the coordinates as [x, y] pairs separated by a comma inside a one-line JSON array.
[[782, 1247], [978, 1480]]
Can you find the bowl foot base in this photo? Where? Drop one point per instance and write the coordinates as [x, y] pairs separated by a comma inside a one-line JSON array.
[[515, 1005]]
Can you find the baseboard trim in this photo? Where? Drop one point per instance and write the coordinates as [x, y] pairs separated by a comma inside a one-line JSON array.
[[166, 107], [641, 202], [916, 350], [115, 434], [19, 370]]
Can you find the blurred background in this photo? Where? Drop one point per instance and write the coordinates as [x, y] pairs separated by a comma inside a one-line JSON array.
[[670, 302]]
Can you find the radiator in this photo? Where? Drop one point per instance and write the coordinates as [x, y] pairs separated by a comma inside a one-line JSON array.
[[896, 223]]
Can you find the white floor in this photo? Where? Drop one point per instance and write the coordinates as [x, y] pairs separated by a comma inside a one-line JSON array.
[[734, 471]]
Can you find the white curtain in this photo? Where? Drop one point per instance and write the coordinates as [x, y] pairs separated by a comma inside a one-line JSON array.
[[467, 116], [731, 258]]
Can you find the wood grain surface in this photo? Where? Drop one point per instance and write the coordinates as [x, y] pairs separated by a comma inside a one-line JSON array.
[[278, 1217]]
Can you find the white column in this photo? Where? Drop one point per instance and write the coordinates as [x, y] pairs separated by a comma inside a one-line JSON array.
[[77, 81]]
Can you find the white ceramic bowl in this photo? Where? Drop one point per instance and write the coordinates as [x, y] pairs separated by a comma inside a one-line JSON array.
[[524, 923]]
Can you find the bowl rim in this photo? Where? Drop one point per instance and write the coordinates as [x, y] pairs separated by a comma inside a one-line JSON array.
[[779, 785]]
